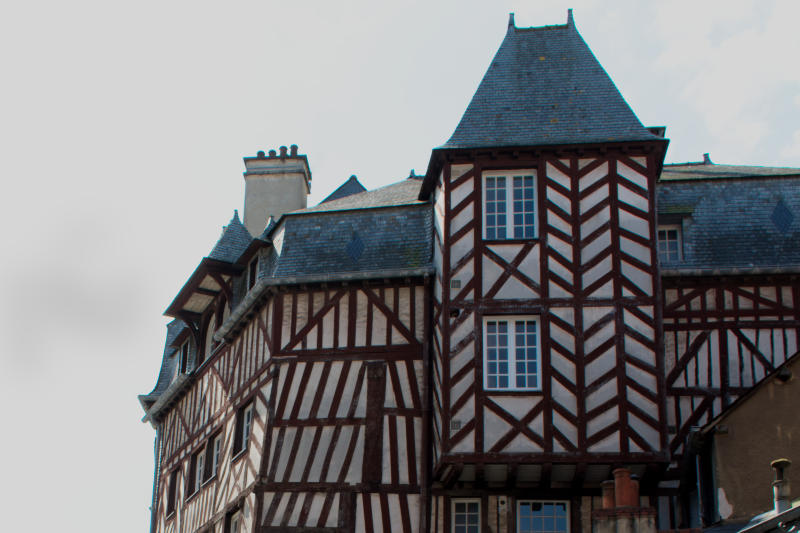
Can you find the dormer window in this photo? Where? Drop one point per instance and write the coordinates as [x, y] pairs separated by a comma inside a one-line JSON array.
[[252, 273], [509, 205], [669, 244], [184, 355]]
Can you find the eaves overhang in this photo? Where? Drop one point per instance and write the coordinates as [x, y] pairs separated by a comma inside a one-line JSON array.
[[678, 272], [165, 399], [774, 374], [265, 286], [442, 153], [205, 283]]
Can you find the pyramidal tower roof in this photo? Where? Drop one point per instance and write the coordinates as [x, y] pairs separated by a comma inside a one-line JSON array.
[[234, 240], [543, 87]]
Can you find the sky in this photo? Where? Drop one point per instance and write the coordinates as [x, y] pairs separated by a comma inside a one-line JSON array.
[[123, 125]]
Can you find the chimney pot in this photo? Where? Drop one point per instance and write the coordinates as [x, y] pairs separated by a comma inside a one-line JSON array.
[[273, 153], [608, 494], [624, 490], [707, 159], [283, 151], [260, 154], [781, 490], [293, 149], [511, 20]]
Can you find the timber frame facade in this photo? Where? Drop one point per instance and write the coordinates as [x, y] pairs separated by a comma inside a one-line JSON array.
[[466, 350]]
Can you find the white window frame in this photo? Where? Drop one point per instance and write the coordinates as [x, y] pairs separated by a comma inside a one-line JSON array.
[[215, 449], [679, 238], [183, 357], [519, 515], [453, 503], [236, 522], [243, 428], [199, 469], [511, 349], [247, 425], [509, 190]]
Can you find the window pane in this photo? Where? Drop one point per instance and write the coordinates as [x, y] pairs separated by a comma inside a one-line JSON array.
[[523, 207], [495, 208]]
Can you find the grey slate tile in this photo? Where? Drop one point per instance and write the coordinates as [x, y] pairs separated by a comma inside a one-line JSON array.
[[348, 188], [234, 240], [731, 223], [544, 87]]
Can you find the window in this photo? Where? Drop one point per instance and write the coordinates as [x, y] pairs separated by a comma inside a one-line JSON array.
[[511, 353], [466, 516], [215, 445], [196, 472], [204, 464], [509, 205], [172, 491], [235, 523], [244, 422], [252, 272], [542, 517], [669, 244], [184, 362]]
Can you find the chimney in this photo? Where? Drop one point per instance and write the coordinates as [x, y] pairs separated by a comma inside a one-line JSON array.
[[274, 184], [780, 487], [621, 510]]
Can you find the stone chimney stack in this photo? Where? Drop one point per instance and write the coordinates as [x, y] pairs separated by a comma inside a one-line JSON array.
[[274, 184]]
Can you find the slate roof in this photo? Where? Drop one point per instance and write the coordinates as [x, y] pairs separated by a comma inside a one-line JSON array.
[[234, 240], [543, 87], [349, 187], [168, 363], [702, 171], [319, 244], [402, 193], [733, 223]]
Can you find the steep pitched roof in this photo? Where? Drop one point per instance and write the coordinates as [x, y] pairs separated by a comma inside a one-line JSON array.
[[402, 193], [707, 170], [543, 87], [349, 187], [168, 365], [234, 240], [733, 218], [356, 242]]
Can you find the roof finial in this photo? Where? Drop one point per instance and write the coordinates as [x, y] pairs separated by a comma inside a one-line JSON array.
[[570, 21], [511, 21]]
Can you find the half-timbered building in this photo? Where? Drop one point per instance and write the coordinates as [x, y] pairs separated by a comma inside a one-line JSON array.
[[482, 348]]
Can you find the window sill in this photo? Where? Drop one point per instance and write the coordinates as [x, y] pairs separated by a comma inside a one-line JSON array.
[[191, 496], [209, 480], [239, 454], [170, 515], [510, 241], [513, 392]]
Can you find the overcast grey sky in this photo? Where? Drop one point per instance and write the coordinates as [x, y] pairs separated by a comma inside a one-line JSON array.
[[123, 125]]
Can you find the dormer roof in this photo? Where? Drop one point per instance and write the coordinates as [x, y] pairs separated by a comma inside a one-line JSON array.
[[545, 87], [234, 240], [348, 188], [212, 274]]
